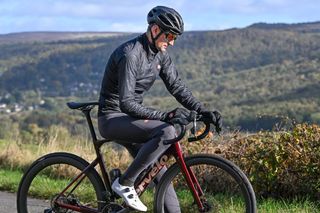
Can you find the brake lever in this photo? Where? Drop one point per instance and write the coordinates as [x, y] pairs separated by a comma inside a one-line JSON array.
[[194, 126], [202, 135]]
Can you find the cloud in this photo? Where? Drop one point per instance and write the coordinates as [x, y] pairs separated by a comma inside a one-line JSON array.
[[116, 15], [270, 7], [241, 7], [89, 9], [74, 15]]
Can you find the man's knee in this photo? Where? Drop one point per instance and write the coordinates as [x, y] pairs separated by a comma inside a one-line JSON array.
[[163, 131], [168, 132]]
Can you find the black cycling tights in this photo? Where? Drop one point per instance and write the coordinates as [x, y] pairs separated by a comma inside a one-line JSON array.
[[143, 139]]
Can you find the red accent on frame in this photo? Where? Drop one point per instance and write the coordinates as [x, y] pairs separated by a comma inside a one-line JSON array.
[[180, 159]]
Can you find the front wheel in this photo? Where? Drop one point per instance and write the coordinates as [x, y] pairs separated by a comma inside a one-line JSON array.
[[49, 176], [225, 187]]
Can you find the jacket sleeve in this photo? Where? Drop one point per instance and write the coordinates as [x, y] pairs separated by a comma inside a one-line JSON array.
[[176, 87], [128, 65]]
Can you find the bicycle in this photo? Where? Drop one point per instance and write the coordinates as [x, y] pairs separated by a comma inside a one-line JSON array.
[[203, 182]]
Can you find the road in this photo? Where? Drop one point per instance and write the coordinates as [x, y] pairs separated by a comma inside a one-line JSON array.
[[7, 202]]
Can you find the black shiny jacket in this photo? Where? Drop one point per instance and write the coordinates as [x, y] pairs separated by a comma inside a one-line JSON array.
[[131, 71]]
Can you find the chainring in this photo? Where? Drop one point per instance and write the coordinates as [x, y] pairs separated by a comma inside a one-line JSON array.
[[71, 199], [112, 208], [55, 207]]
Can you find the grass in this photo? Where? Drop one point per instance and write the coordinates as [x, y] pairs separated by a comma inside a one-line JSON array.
[[15, 154], [9, 181], [285, 206], [15, 157]]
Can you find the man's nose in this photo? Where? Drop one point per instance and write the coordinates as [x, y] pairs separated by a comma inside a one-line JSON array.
[[171, 42]]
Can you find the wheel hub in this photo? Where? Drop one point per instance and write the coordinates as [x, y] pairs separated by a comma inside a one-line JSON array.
[[206, 206]]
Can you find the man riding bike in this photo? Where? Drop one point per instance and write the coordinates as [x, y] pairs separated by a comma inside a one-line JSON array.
[[130, 72]]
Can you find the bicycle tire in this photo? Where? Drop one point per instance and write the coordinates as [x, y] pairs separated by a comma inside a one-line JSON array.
[[56, 159], [222, 166]]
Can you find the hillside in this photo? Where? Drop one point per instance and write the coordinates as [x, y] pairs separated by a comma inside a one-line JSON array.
[[51, 36], [253, 75], [302, 27]]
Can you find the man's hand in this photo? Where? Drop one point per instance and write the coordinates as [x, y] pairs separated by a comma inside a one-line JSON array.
[[178, 116], [213, 117]]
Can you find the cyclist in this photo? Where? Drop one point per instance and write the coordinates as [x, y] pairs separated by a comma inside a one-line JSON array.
[[130, 72]]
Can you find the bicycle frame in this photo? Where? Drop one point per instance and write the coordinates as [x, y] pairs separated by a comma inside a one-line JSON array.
[[174, 150]]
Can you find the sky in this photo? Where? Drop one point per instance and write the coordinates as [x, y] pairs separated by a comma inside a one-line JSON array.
[[130, 15]]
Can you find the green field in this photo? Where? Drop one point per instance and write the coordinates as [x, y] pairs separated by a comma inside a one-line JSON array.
[[9, 180], [268, 155]]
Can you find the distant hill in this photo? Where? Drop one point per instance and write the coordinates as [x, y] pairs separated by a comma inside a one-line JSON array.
[[52, 36], [255, 75], [302, 27]]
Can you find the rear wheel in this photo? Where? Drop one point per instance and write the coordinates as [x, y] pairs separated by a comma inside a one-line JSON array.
[[225, 187], [49, 175]]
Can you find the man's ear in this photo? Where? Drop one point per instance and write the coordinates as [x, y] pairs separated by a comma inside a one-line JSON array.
[[155, 29]]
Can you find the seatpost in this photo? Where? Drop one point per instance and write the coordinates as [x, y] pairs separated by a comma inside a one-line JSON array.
[[99, 159], [86, 112]]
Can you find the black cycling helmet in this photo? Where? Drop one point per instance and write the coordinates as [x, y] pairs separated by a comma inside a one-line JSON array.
[[167, 19]]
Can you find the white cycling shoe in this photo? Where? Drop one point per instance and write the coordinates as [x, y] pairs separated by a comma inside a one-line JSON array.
[[129, 194]]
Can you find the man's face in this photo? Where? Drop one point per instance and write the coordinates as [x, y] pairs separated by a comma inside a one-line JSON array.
[[164, 40]]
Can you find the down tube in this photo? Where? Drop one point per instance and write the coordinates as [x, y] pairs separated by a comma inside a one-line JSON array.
[[180, 159], [152, 172]]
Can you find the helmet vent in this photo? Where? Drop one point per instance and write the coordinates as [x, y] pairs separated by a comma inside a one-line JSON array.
[[164, 20]]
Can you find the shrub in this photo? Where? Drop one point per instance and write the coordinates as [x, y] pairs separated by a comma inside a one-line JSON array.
[[285, 164], [278, 164]]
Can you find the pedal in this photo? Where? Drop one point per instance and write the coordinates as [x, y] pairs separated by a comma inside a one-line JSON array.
[[124, 210], [113, 208]]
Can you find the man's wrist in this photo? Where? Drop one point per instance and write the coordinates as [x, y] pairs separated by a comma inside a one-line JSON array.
[[164, 116]]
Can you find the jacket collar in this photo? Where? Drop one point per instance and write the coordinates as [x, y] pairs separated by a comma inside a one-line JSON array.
[[149, 47]]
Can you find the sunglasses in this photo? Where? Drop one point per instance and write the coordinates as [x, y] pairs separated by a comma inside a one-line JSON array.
[[170, 36]]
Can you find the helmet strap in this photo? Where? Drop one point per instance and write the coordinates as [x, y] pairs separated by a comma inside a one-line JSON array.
[[155, 38]]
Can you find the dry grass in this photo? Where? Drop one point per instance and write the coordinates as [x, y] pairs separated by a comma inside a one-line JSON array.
[[14, 153]]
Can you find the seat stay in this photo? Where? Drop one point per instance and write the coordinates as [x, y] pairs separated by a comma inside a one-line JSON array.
[[77, 179]]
